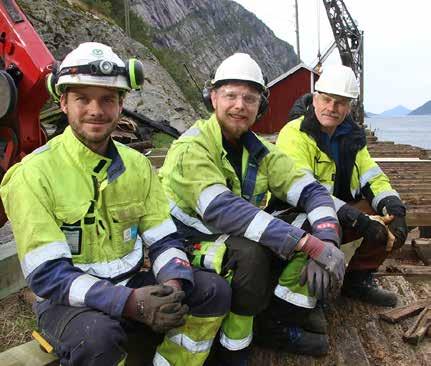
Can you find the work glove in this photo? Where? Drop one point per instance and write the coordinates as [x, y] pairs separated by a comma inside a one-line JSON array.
[[371, 228], [398, 227], [327, 255], [317, 279], [157, 306], [392, 205]]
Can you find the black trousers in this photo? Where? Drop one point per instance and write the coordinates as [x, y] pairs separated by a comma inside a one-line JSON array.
[[84, 336]]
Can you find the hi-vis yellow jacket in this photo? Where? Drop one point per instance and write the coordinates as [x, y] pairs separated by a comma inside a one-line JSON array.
[[80, 221]]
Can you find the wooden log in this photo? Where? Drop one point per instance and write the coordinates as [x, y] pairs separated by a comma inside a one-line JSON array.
[[403, 312], [419, 329], [422, 247]]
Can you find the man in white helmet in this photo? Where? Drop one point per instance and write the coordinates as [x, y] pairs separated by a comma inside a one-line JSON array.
[[328, 145], [216, 176], [82, 208]]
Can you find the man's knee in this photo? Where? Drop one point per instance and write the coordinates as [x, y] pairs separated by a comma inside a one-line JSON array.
[[211, 295], [83, 337], [251, 282]]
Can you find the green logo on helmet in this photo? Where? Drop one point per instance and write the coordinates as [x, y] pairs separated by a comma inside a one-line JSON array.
[[97, 52]]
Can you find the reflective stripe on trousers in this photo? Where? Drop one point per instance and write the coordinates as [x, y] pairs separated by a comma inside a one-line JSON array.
[[236, 331], [289, 289], [190, 344]]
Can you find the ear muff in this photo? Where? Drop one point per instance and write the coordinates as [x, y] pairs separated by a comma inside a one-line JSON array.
[[264, 104], [51, 81], [206, 96], [135, 73]]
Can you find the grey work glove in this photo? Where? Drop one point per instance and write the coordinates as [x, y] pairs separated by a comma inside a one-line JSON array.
[[326, 255], [317, 279], [157, 306]]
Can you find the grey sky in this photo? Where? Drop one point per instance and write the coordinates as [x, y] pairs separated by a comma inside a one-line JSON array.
[[397, 43]]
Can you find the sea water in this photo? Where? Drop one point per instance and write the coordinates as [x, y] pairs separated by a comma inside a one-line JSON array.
[[411, 130]]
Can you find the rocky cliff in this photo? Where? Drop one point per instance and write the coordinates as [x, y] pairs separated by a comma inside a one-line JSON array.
[[210, 30]]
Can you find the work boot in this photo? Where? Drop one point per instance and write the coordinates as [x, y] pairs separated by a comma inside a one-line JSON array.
[[362, 286], [311, 320], [221, 356], [291, 338]]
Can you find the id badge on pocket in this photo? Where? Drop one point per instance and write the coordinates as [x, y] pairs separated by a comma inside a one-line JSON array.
[[73, 236]]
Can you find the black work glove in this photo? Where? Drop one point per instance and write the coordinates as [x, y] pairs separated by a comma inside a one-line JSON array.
[[157, 306], [369, 229], [392, 205], [398, 227], [317, 279]]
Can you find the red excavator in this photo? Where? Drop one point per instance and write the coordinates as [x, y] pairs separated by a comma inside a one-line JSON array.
[[24, 63]]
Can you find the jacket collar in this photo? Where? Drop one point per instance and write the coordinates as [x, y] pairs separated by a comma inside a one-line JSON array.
[[100, 166]]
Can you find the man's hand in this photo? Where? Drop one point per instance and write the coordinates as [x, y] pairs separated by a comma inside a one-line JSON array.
[[317, 279], [326, 255], [157, 306]]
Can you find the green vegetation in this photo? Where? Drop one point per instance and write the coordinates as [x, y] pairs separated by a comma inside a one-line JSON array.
[[160, 139], [172, 61]]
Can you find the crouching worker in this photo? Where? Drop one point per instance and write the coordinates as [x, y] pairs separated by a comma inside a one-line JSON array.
[[216, 176], [82, 207], [326, 143]]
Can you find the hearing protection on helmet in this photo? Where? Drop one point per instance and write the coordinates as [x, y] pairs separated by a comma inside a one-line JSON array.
[[133, 71]]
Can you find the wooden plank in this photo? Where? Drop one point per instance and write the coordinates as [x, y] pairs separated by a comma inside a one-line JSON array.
[[403, 160], [350, 350], [405, 270], [403, 312], [422, 247], [27, 354], [419, 329]]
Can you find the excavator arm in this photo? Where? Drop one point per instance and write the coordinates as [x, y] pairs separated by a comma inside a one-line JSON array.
[[24, 63]]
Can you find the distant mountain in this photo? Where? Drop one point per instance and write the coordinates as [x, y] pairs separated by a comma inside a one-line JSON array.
[[423, 109], [398, 111], [370, 114]]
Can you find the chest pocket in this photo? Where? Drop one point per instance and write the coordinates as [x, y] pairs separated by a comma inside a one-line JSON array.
[[324, 169], [71, 220], [124, 225]]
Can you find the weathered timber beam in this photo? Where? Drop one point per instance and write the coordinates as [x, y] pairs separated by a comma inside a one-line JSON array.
[[419, 329], [403, 312]]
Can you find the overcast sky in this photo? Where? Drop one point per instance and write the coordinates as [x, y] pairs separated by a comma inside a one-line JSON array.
[[397, 43]]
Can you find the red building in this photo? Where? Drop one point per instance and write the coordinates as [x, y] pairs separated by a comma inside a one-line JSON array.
[[284, 91]]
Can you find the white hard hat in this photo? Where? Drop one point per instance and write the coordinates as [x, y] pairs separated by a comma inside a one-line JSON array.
[[338, 80], [239, 66], [93, 64]]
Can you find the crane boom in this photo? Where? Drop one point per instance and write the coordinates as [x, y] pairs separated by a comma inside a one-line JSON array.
[[349, 40]]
